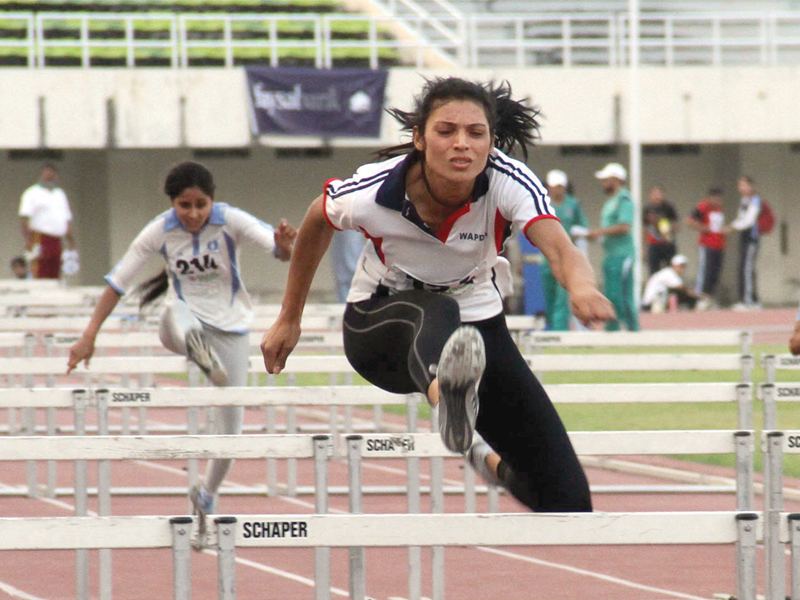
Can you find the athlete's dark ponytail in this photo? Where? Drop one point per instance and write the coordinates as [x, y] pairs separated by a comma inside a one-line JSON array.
[[512, 122], [151, 289], [516, 123]]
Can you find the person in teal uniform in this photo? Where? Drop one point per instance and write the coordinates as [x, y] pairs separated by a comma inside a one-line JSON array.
[[569, 212], [616, 229]]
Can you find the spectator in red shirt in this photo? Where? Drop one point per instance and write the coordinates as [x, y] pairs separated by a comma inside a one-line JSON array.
[[708, 218]]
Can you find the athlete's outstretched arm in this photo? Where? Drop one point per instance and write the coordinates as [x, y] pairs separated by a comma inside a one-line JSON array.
[[83, 349], [284, 240], [313, 239], [572, 270]]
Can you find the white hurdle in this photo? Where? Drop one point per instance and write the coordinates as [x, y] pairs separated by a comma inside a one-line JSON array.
[[738, 529], [429, 445], [331, 397], [586, 443], [102, 449]]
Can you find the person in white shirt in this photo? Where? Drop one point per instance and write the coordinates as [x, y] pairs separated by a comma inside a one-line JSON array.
[[207, 313], [665, 282], [746, 223], [46, 220], [424, 313]]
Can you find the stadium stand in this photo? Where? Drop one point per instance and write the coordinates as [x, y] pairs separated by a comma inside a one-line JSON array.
[[151, 34], [432, 33]]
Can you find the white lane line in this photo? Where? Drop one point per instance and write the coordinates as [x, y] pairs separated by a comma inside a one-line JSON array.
[[285, 574], [52, 501], [17, 593], [577, 571]]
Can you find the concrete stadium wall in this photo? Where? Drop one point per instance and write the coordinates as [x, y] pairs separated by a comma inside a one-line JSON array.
[[143, 108], [742, 119]]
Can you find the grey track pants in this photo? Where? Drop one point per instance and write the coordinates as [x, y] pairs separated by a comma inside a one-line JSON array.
[[233, 350]]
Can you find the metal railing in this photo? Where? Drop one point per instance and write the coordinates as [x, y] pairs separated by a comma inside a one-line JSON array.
[[228, 40]]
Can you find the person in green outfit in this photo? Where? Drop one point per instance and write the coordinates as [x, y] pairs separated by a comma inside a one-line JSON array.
[[569, 212], [616, 229]]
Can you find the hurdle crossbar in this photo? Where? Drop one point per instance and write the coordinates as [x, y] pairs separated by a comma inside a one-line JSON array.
[[354, 395], [161, 447], [709, 441], [594, 339]]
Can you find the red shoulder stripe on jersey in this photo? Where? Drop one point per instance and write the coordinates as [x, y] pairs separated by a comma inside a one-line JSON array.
[[536, 218], [500, 224], [447, 226], [325, 199], [377, 243]]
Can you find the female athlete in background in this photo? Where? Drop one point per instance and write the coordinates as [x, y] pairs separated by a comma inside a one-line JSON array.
[[207, 312], [424, 313]]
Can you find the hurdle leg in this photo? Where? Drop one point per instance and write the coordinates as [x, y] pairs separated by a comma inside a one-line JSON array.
[[50, 425], [181, 558], [142, 424], [744, 470], [746, 556], [145, 381], [193, 428], [51, 464], [349, 426], [794, 539], [773, 500], [81, 555], [333, 414], [29, 424], [322, 556], [272, 467], [744, 405], [357, 559], [291, 463], [414, 507], [226, 557], [104, 496], [29, 419], [437, 506], [769, 406], [747, 368], [291, 427]]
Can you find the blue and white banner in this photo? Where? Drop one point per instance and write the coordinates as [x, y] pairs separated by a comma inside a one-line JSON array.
[[335, 103]]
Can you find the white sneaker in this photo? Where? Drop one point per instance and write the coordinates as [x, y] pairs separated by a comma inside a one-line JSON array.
[[744, 306], [459, 372], [702, 305], [202, 506], [201, 353], [477, 459]]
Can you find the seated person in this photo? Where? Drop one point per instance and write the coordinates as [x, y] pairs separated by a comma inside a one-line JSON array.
[[668, 281], [19, 267]]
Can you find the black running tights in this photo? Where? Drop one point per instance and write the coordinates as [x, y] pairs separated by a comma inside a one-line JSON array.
[[395, 341]]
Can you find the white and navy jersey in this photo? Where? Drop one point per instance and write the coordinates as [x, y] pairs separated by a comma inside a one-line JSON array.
[[458, 259], [747, 216], [203, 267]]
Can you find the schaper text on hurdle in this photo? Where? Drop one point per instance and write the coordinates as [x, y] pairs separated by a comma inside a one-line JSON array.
[[275, 529]]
